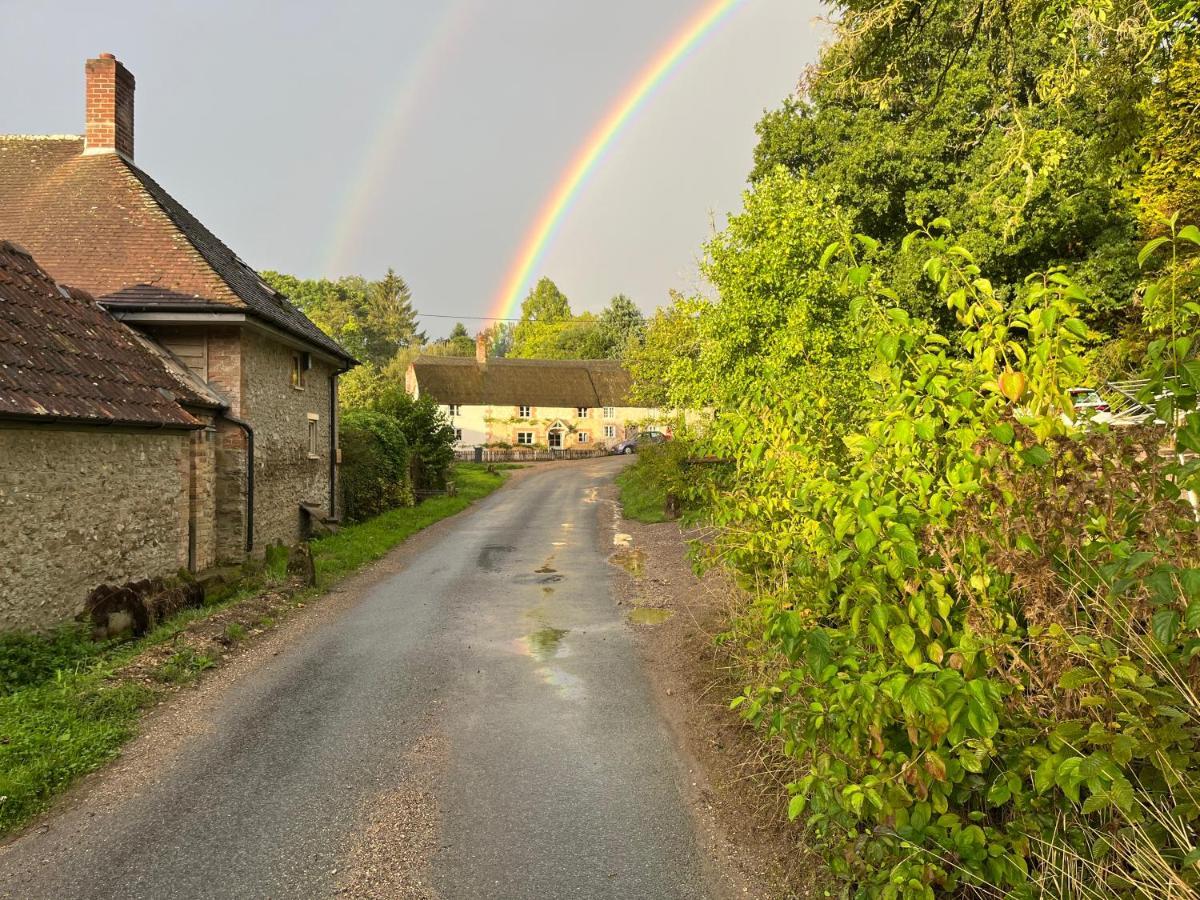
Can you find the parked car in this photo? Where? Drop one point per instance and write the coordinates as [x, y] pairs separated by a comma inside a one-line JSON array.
[[641, 439]]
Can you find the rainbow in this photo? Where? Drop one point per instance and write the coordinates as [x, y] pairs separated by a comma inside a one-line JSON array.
[[403, 106], [538, 239]]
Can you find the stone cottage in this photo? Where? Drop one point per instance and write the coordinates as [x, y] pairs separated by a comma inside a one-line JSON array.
[[261, 462], [574, 404]]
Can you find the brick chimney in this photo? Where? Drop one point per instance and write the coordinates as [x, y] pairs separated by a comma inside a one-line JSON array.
[[481, 348], [109, 107]]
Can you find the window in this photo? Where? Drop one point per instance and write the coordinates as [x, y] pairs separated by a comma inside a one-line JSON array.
[[610, 412], [458, 435], [298, 370], [454, 409], [583, 437], [524, 412], [525, 437], [610, 431], [554, 438], [314, 445], [582, 412]]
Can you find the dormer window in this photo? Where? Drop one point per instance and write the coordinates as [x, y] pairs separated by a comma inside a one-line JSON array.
[[524, 412]]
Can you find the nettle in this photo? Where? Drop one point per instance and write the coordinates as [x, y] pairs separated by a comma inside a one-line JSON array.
[[978, 622]]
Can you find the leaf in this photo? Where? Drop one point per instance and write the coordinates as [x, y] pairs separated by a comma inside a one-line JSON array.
[[829, 253], [796, 806], [1003, 432], [1148, 249], [1190, 233], [1191, 617], [1165, 625], [865, 541], [1073, 679], [903, 638], [1036, 455]]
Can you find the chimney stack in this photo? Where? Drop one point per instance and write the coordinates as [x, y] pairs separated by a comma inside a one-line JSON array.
[[481, 348], [109, 107]]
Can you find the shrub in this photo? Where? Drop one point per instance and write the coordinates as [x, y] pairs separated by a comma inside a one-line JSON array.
[[375, 464], [429, 434], [977, 623]]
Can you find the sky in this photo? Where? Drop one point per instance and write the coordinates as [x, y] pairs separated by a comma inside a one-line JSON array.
[[324, 139]]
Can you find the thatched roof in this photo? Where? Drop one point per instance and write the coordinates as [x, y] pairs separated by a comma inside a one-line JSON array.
[[522, 382]]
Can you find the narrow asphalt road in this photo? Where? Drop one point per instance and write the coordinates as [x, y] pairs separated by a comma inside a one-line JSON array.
[[499, 645]]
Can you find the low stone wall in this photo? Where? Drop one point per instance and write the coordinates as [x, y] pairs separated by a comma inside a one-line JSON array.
[[81, 508]]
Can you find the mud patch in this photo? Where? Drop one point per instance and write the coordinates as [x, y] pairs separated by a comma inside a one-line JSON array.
[[388, 857]]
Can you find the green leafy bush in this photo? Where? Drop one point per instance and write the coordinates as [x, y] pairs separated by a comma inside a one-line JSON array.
[[429, 434], [375, 464], [977, 623]]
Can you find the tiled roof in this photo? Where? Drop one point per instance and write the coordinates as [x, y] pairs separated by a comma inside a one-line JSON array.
[[523, 382], [100, 222], [63, 357]]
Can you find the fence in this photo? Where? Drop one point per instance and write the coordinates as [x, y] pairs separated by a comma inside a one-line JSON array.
[[519, 454]]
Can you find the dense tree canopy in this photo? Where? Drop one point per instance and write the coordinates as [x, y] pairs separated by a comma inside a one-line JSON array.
[[549, 330], [373, 320]]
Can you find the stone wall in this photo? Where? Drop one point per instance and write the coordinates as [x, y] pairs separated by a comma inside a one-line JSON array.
[[79, 508], [286, 473]]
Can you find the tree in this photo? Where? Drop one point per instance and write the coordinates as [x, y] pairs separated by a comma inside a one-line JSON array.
[[545, 315], [621, 324], [373, 320]]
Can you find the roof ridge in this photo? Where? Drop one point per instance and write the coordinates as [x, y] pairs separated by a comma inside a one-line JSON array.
[[41, 137]]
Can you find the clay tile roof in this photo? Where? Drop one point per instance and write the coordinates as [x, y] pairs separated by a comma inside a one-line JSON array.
[[62, 357], [98, 221], [523, 382]]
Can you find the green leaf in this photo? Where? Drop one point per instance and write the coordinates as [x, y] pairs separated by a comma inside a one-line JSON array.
[[1190, 233], [1036, 455], [1191, 617], [903, 638], [865, 541], [1076, 678], [1003, 432], [1148, 249], [1165, 625], [796, 806]]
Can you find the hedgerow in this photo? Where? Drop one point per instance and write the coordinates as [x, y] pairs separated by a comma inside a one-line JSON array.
[[375, 472]]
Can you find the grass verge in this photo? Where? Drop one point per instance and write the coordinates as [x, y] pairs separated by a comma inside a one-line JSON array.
[[642, 494], [68, 704]]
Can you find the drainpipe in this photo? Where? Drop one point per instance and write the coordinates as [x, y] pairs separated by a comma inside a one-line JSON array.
[[333, 445], [249, 432]]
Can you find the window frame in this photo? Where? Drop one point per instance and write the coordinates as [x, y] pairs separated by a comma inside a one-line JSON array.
[[583, 412], [524, 412], [583, 437], [521, 443], [314, 436], [610, 431], [454, 409], [296, 376], [610, 412], [458, 435]]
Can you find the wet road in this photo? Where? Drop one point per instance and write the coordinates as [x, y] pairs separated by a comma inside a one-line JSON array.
[[500, 639]]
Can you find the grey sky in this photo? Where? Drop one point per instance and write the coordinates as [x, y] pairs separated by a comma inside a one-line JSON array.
[[264, 117]]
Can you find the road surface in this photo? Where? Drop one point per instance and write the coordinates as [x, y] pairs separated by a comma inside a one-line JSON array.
[[477, 719]]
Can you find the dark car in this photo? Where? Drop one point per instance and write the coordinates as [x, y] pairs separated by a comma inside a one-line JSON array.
[[641, 439]]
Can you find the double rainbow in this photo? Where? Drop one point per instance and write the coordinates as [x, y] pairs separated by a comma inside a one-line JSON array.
[[538, 239]]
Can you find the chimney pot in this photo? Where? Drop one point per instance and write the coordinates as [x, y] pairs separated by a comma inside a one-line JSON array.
[[109, 107]]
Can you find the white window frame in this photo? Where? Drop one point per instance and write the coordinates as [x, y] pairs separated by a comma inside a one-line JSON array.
[[454, 409], [314, 436], [583, 437], [524, 412], [296, 376], [610, 431], [610, 412], [524, 438], [581, 412], [458, 435]]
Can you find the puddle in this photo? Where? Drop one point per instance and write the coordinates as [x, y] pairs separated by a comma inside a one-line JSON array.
[[631, 560], [489, 557], [558, 543], [622, 540], [590, 496], [650, 615], [545, 643]]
